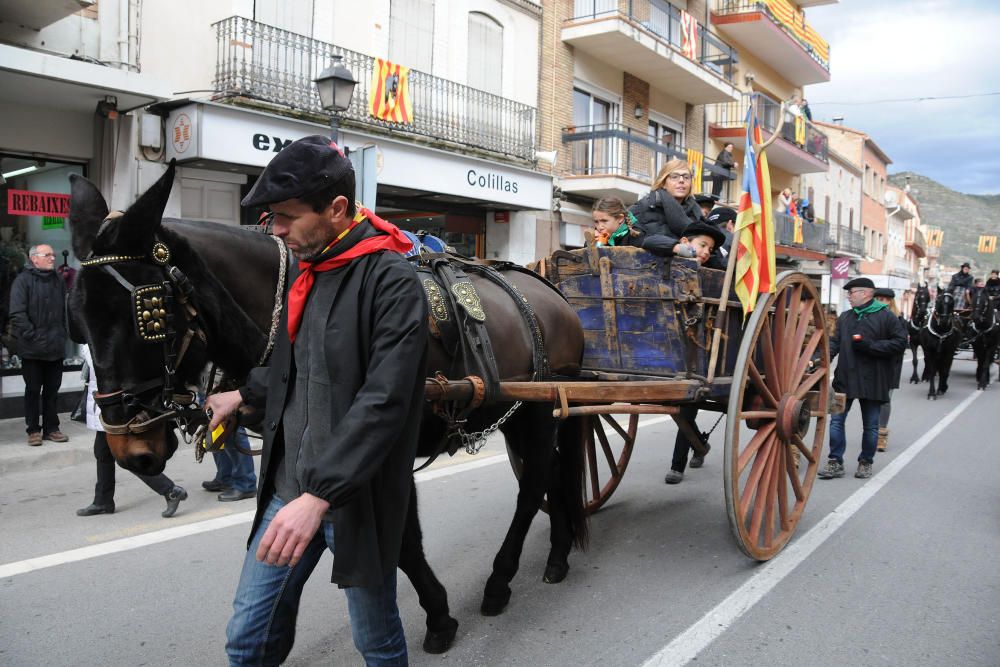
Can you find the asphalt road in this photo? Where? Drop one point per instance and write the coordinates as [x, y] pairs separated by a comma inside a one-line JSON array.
[[896, 570]]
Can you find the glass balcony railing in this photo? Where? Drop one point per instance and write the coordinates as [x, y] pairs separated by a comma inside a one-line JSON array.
[[664, 21], [261, 62], [616, 150], [805, 135], [789, 18]]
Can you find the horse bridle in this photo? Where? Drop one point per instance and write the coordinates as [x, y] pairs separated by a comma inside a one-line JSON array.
[[934, 315], [152, 315]]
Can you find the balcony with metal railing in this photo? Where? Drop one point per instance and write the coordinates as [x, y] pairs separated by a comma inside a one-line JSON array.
[[802, 148], [846, 241], [915, 239], [615, 160], [797, 232], [259, 62], [646, 39], [776, 32]]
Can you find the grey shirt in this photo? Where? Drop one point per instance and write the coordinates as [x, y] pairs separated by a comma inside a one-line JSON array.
[[303, 396]]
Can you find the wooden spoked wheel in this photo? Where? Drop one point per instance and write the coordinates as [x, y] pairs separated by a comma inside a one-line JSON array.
[[777, 417], [607, 446]]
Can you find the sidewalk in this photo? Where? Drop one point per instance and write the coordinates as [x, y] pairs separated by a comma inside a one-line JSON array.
[[17, 456]]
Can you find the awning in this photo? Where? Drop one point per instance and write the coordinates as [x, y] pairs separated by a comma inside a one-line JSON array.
[[39, 79]]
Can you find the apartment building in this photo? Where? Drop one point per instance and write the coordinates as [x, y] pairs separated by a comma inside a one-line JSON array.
[[624, 89]]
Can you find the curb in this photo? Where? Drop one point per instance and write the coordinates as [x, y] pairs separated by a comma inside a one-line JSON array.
[[45, 460]]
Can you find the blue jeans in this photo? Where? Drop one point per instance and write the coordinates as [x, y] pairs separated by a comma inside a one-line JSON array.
[[869, 438], [234, 468], [262, 629]]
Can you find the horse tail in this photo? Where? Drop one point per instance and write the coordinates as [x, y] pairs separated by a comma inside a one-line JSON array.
[[571, 470]]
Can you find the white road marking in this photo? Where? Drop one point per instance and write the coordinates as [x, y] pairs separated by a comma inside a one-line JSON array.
[[124, 544], [167, 534], [687, 645]]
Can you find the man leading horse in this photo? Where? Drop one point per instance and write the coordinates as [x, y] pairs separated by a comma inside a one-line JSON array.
[[343, 398]]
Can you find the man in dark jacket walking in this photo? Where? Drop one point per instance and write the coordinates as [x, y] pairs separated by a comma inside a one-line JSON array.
[[343, 398], [38, 319], [868, 339]]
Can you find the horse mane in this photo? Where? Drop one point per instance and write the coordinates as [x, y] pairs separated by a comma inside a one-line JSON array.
[[235, 341]]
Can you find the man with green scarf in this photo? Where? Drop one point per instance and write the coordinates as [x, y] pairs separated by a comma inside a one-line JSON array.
[[867, 340]]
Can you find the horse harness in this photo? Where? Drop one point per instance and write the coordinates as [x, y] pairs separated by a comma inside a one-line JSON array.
[[933, 316], [457, 318], [152, 315]]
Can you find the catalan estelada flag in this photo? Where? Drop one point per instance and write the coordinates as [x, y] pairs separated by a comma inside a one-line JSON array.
[[755, 270], [696, 160], [389, 92], [689, 36]]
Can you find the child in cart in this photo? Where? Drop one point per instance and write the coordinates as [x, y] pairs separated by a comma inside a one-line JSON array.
[[612, 222]]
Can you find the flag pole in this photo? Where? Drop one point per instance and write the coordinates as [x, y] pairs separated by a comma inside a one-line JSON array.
[[731, 260]]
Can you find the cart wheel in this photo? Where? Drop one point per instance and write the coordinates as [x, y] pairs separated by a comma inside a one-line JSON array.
[[777, 417], [607, 463]]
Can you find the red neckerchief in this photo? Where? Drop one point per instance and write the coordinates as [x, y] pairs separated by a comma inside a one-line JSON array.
[[393, 239]]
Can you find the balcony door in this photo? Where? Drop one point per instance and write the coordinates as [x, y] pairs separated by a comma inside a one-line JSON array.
[[593, 114], [663, 133], [485, 77]]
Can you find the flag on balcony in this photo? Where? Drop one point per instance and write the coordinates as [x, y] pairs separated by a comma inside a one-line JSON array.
[[800, 129], [935, 236], [696, 160], [797, 228], [987, 244], [689, 35], [389, 92], [755, 271]]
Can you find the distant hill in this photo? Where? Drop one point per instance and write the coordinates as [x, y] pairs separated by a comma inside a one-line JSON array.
[[962, 217]]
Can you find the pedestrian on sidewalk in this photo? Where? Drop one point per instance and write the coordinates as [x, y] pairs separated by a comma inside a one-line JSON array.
[[104, 490], [868, 339], [234, 474], [888, 297], [38, 324]]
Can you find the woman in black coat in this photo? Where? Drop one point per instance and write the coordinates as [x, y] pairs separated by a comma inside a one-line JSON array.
[[663, 214]]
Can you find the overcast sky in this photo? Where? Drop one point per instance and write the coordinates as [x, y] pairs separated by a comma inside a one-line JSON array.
[[892, 49]]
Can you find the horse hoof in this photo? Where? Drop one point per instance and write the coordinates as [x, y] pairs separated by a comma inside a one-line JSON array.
[[494, 605], [555, 573], [439, 641]]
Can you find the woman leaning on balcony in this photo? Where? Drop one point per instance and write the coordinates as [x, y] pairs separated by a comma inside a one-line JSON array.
[[669, 207]]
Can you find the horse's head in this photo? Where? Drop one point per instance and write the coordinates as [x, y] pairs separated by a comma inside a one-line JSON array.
[[921, 301], [127, 304], [944, 308], [983, 310]]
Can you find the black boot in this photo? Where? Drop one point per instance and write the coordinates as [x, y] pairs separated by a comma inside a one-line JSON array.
[[174, 497], [96, 508]]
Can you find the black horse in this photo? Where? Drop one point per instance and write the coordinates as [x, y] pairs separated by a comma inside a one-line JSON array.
[[940, 338], [918, 320], [211, 299], [984, 327]]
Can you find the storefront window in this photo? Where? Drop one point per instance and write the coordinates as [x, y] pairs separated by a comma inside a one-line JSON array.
[[462, 232], [34, 209]]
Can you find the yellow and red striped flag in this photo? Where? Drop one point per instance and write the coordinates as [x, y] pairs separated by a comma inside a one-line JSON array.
[[755, 263], [389, 92], [987, 244], [696, 160], [689, 35]]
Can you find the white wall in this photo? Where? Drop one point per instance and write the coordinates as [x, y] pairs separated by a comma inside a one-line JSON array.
[[843, 186]]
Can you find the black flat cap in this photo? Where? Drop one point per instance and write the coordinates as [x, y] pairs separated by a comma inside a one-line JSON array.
[[886, 292], [301, 168], [722, 215], [705, 229], [705, 198], [860, 282]]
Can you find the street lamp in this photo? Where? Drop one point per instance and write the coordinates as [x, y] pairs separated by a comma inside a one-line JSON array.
[[336, 88]]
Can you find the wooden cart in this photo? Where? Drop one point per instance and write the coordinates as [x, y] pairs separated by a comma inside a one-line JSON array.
[[657, 338]]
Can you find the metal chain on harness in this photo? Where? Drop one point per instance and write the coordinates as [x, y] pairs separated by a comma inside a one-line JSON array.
[[473, 442]]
